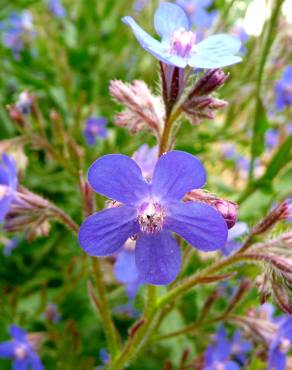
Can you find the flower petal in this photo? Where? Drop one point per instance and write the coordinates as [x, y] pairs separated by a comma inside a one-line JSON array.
[[20, 364], [118, 177], [17, 333], [169, 18], [35, 361], [156, 48], [199, 224], [158, 258], [215, 51], [125, 266], [7, 349], [175, 174], [231, 365], [103, 233]]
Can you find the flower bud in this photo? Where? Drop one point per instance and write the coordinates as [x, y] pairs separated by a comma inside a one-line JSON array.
[[173, 83], [142, 109], [211, 81], [226, 208]]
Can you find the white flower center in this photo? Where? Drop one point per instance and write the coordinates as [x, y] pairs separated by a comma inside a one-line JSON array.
[[182, 42], [151, 217], [20, 352], [219, 366], [3, 191], [284, 345]]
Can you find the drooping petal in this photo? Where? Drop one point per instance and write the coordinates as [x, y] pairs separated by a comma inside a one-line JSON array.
[[5, 204], [125, 266], [158, 258], [17, 333], [156, 48], [20, 364], [175, 174], [277, 360], [169, 18], [118, 177], [7, 349], [199, 224], [215, 51], [35, 361], [103, 233]]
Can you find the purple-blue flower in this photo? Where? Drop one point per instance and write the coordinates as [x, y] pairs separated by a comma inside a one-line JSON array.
[[16, 30], [151, 211], [56, 8], [9, 245], [8, 184], [178, 46], [20, 351], [126, 270], [95, 127], [239, 347], [283, 89], [218, 354], [24, 102], [272, 138], [197, 12], [280, 345]]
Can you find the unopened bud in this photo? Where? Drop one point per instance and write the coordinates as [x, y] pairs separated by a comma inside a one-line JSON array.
[[226, 208], [173, 83], [16, 116], [211, 81], [142, 108]]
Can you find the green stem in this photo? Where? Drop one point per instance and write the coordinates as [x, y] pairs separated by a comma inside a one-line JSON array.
[[108, 325], [264, 56], [166, 134], [139, 336], [190, 282]]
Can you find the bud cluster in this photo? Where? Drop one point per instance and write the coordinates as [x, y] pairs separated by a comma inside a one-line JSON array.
[[142, 108], [199, 103]]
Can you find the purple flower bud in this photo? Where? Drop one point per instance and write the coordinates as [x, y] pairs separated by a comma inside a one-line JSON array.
[[228, 211], [52, 313], [211, 81]]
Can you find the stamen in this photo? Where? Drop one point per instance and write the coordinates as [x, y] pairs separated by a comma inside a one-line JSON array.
[[151, 217], [182, 42]]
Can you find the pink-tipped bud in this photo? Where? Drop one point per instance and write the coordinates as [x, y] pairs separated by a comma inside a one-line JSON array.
[[211, 81], [228, 211], [226, 208]]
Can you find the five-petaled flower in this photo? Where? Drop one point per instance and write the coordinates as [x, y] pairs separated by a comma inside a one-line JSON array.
[[151, 211], [178, 46], [8, 184], [95, 127], [20, 350]]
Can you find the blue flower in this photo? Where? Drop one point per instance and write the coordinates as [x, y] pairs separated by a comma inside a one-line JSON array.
[[283, 89], [239, 347], [8, 184], [17, 28], [178, 46], [9, 245], [151, 211], [24, 102], [95, 127], [197, 12], [272, 138], [218, 354], [280, 346], [56, 8], [20, 351]]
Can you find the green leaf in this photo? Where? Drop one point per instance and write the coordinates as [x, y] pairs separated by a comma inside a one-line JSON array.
[[260, 128]]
